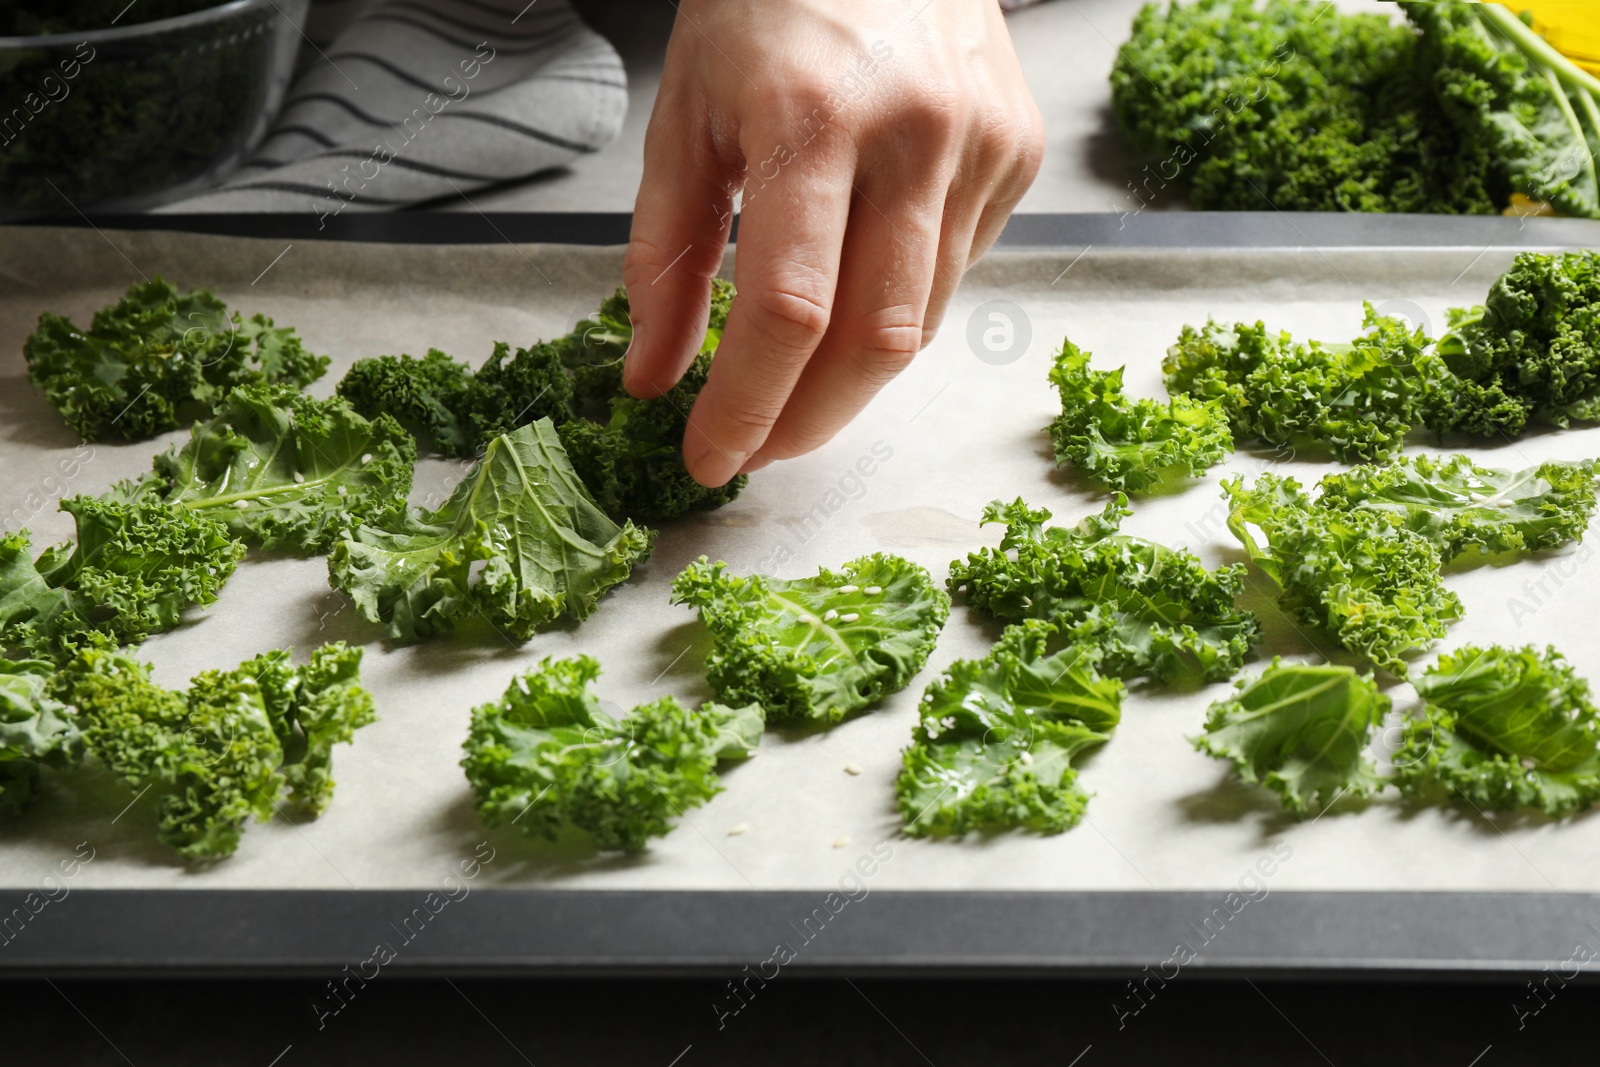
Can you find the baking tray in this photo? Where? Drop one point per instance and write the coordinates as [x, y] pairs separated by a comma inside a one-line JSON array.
[[819, 881]]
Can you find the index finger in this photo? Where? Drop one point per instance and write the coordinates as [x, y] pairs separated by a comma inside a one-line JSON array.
[[786, 271]]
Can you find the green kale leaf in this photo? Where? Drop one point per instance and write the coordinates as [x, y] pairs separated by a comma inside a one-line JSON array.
[[519, 542], [1506, 89], [996, 737], [1460, 506], [131, 572], [1531, 350], [157, 360], [1134, 445], [1294, 106], [219, 750], [36, 731], [815, 648], [545, 756], [1374, 585], [1153, 610], [281, 469], [1357, 400], [1301, 731], [633, 463], [1503, 728], [431, 397]]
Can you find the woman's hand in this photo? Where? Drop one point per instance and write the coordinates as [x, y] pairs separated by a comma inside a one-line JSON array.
[[879, 147]]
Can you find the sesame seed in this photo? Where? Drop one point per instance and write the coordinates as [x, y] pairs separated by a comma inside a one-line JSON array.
[[366, 458], [849, 588], [850, 617], [830, 615], [737, 830], [241, 504], [299, 479], [840, 842], [1027, 759], [851, 768], [873, 590], [343, 491]]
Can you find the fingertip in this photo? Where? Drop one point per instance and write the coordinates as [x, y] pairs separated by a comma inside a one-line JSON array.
[[711, 466]]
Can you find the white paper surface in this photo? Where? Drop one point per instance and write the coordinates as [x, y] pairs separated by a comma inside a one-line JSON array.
[[951, 434]]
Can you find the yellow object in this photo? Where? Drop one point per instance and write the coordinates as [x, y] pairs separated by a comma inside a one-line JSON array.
[[1571, 26]]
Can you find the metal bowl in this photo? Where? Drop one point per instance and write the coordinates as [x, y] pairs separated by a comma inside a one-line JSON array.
[[126, 118]]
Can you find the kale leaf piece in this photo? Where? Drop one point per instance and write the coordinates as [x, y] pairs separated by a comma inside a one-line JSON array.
[[1130, 444], [1154, 610], [1460, 506], [456, 411], [1506, 89], [633, 463], [519, 542], [157, 360], [994, 744], [1357, 400], [1503, 728], [430, 396], [131, 572], [629, 452], [36, 731], [1293, 106], [225, 750], [1374, 585], [1531, 350], [594, 349], [1300, 731], [281, 469], [817, 648], [546, 757]]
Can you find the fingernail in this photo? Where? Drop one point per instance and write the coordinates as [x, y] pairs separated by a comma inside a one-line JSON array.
[[755, 463], [714, 467]]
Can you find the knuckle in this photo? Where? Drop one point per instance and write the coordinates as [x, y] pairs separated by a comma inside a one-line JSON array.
[[891, 340], [791, 316]]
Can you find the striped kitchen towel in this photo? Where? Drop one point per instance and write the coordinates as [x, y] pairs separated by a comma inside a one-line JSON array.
[[402, 101]]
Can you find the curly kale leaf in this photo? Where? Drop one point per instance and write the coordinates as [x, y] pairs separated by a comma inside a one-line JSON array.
[[1153, 610], [1460, 506], [431, 397], [1357, 400], [218, 750], [519, 542], [815, 648], [1503, 728], [547, 758], [1531, 350], [36, 731], [1134, 445], [315, 707], [458, 412], [281, 469], [1373, 585], [594, 349], [633, 463], [994, 744], [1294, 106], [513, 389], [1301, 731], [157, 360], [1505, 88], [132, 571]]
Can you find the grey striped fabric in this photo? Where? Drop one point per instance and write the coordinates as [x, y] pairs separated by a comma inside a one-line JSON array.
[[398, 102]]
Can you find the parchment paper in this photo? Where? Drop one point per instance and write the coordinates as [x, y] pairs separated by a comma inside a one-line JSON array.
[[952, 433]]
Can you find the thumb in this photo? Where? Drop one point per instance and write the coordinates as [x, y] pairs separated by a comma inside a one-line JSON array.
[[680, 232]]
